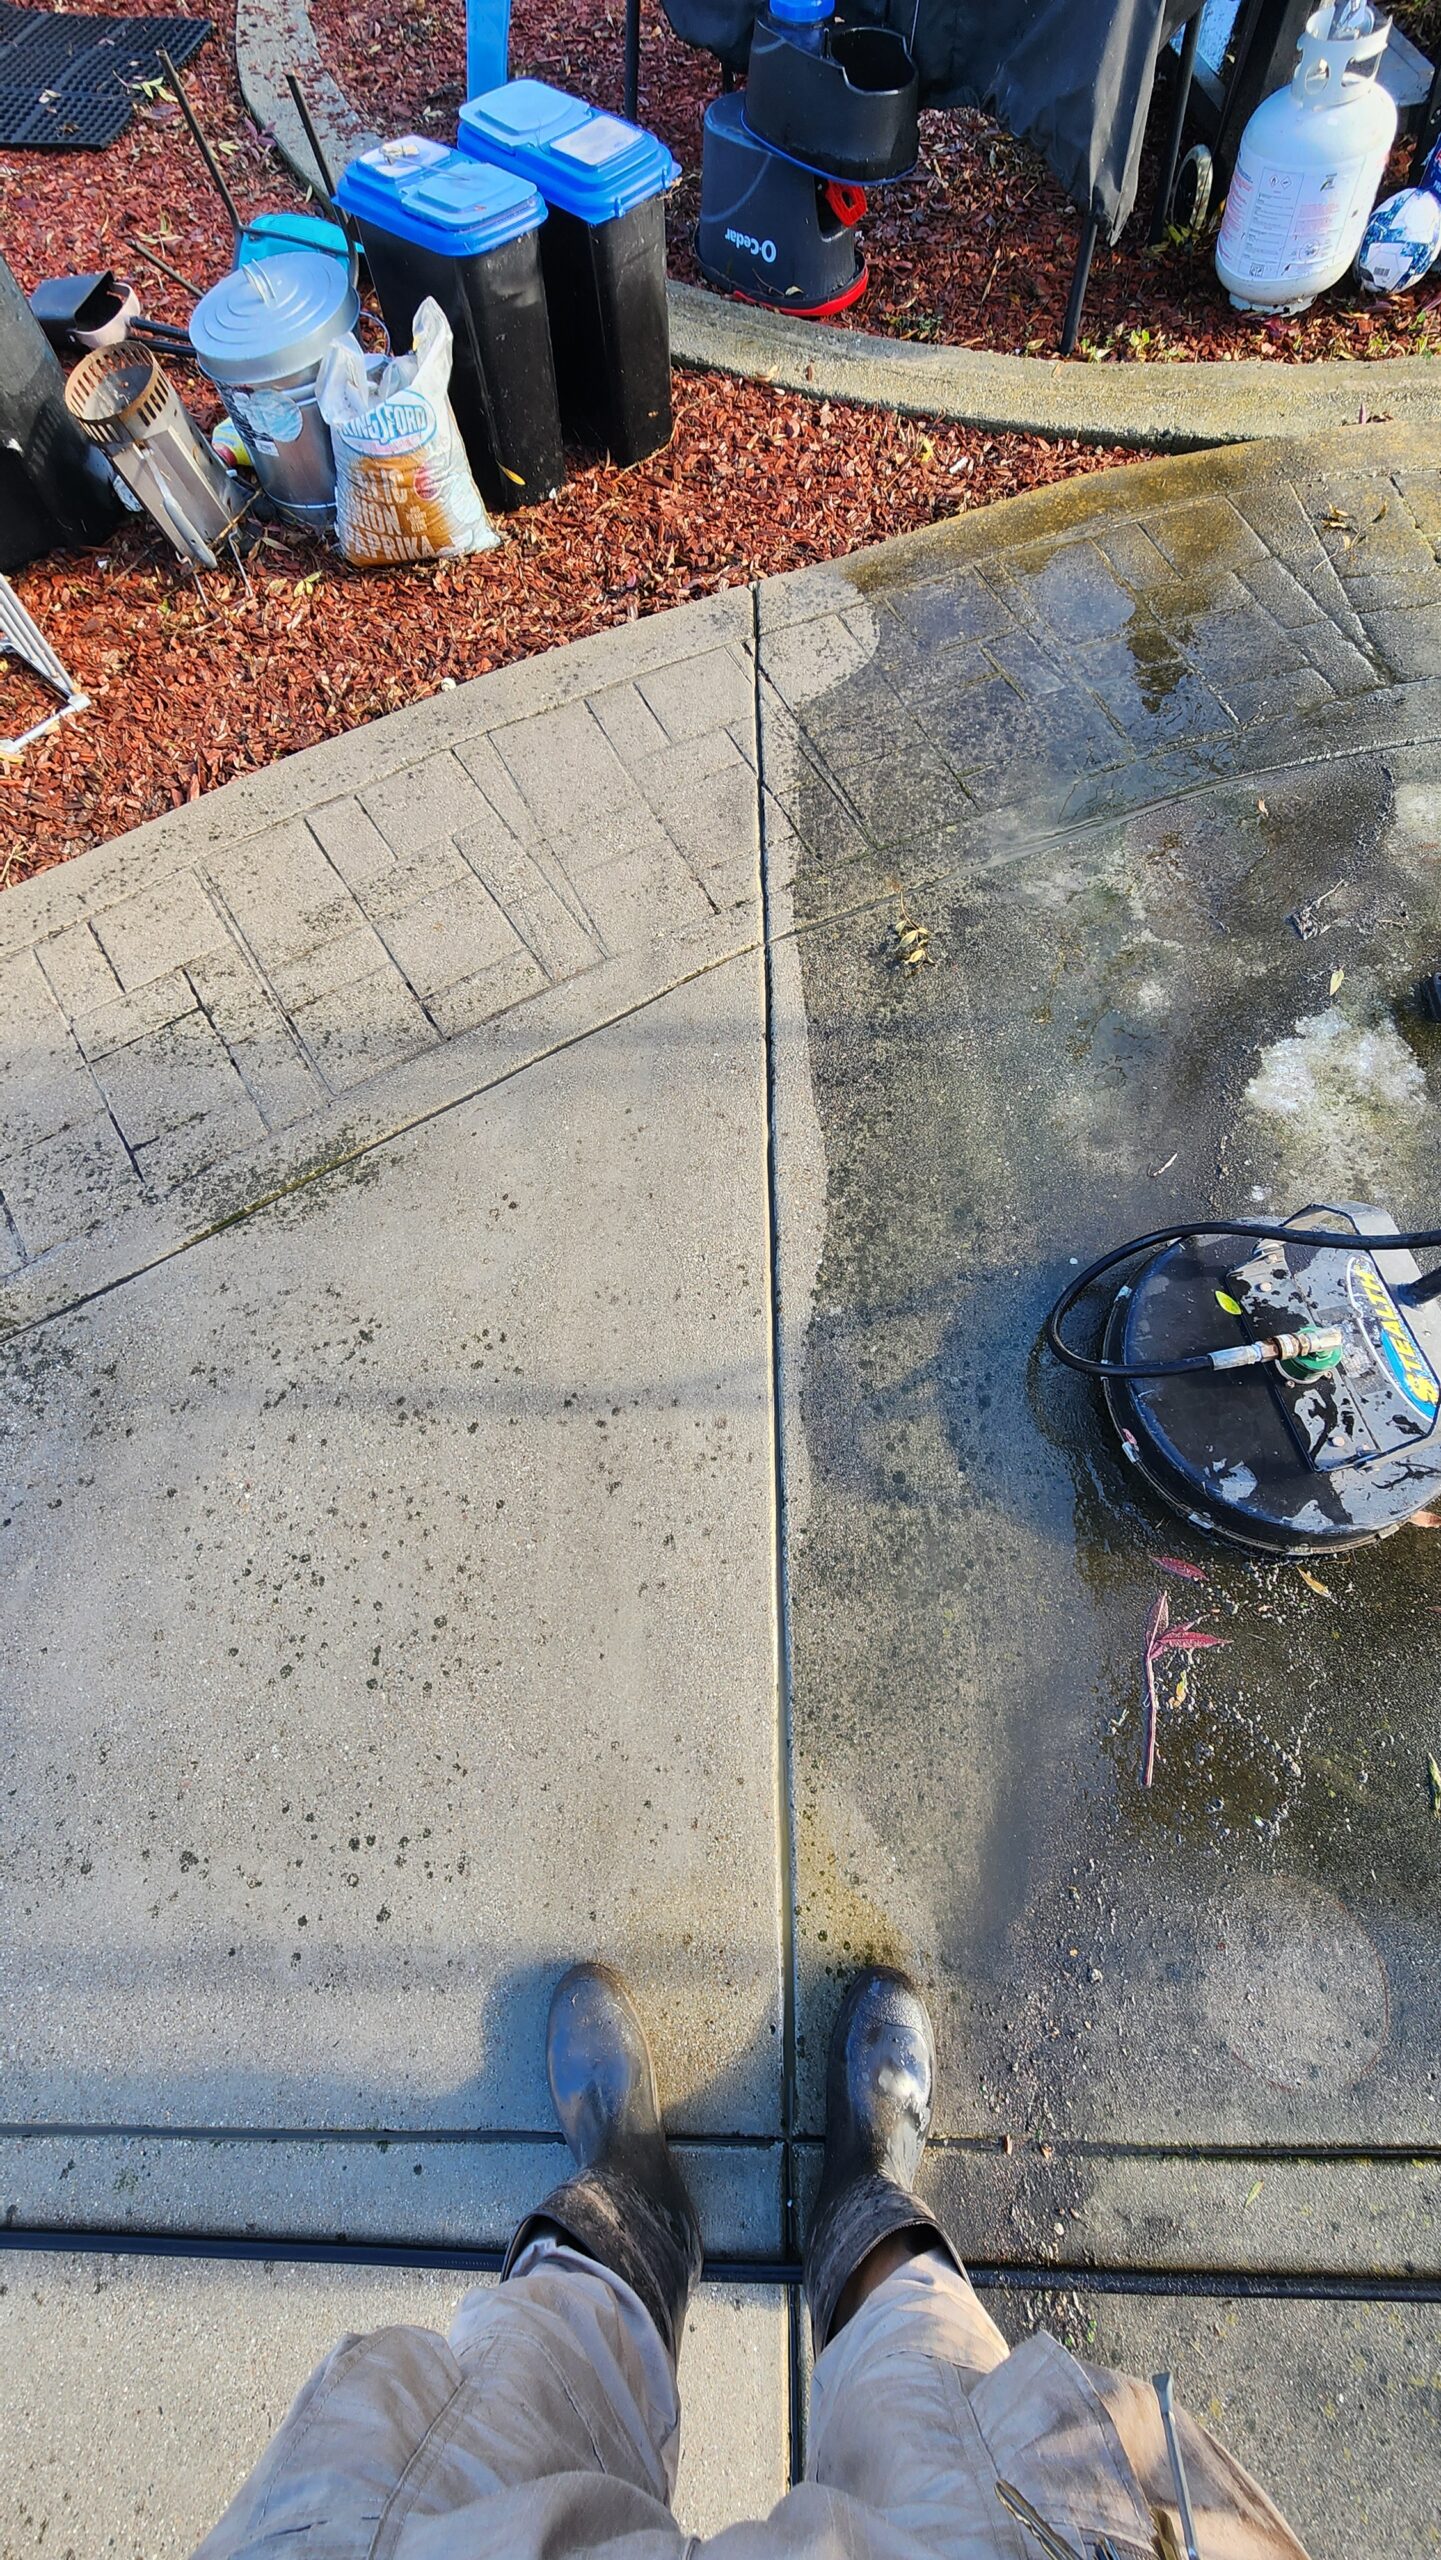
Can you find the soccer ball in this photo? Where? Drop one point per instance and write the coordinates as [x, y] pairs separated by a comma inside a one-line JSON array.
[[1403, 236]]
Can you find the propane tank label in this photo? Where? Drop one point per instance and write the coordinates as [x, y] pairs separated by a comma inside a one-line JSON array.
[[1280, 222]]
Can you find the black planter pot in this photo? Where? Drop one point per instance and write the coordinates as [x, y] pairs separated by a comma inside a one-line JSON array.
[[54, 487]]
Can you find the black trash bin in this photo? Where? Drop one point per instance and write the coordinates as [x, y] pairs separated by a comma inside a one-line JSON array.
[[54, 486], [440, 222], [603, 251]]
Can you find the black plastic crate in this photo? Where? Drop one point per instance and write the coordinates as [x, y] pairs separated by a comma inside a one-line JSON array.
[[68, 80]]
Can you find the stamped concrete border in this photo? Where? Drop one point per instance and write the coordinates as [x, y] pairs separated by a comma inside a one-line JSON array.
[[1166, 407]]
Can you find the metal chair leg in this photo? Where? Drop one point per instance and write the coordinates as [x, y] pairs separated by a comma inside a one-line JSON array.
[[632, 57], [1185, 74], [1429, 127], [1079, 281]]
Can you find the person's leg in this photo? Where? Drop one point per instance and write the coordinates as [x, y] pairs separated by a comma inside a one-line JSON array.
[[869, 2222], [899, 2333], [548, 2421]]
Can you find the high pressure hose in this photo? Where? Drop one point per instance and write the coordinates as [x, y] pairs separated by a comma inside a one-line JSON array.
[[1318, 1348]]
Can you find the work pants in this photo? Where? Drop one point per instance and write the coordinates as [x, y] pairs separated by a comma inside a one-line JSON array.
[[546, 2427]]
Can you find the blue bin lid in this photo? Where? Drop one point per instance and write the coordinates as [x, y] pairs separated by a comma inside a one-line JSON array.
[[449, 201], [582, 160]]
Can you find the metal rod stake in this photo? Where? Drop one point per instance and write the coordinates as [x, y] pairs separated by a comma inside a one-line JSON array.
[[213, 169], [1079, 281], [312, 137], [632, 57]]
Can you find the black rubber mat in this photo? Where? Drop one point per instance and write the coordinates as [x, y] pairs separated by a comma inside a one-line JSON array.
[[68, 81]]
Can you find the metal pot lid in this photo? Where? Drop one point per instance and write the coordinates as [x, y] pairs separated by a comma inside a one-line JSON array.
[[274, 318]]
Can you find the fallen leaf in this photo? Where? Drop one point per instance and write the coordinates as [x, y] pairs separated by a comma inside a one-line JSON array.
[[1178, 1564], [1187, 1640], [1434, 1774], [1312, 1584], [1424, 1520], [1224, 1299], [1252, 2192], [1261, 805], [1337, 978]]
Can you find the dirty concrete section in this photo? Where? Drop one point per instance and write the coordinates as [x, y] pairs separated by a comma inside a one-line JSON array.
[[1168, 809]]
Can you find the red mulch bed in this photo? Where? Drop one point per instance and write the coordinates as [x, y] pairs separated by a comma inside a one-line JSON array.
[[194, 684], [976, 250]]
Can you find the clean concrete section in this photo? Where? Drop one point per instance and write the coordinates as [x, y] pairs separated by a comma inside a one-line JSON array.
[[488, 1216], [328, 951], [188, 2367], [393, 1613], [428, 2190]]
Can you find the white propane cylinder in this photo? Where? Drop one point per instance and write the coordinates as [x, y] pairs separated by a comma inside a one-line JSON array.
[[1310, 162]]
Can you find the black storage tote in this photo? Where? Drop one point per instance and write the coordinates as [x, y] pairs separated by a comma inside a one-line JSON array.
[[440, 222]]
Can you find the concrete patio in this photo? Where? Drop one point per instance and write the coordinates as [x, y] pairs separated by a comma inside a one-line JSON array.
[[523, 1436]]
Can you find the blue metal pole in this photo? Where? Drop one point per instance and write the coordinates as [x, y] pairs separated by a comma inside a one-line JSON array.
[[487, 45]]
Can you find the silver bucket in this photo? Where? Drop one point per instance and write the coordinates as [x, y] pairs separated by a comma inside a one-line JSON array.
[[260, 335]]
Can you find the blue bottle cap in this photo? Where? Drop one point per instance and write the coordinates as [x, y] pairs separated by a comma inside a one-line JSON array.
[[801, 13]]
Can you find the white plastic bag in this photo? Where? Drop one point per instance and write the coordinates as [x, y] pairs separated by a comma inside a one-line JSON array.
[[403, 486]]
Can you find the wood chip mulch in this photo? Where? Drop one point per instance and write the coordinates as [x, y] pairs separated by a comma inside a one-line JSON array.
[[195, 684]]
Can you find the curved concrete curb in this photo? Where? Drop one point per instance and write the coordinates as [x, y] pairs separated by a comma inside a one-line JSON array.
[[1164, 406], [276, 36]]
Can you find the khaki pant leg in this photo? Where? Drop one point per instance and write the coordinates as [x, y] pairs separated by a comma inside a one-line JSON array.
[[543, 2423], [891, 2424]]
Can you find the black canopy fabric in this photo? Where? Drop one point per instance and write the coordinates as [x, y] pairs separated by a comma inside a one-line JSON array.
[[1072, 76]]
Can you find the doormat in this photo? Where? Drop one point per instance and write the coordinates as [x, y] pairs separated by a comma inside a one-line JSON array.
[[68, 81]]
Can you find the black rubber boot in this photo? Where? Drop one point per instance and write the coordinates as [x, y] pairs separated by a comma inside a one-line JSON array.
[[879, 2085], [627, 2204]]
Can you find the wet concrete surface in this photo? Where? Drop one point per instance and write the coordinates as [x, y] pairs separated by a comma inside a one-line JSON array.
[[1107, 816]]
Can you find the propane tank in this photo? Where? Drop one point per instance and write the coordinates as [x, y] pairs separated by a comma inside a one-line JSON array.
[[1310, 162]]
